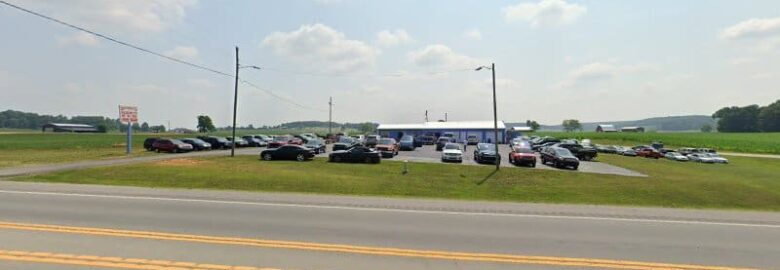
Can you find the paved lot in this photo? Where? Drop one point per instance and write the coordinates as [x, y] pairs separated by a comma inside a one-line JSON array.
[[428, 153]]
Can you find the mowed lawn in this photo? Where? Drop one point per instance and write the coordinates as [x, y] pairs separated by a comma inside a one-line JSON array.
[[747, 183], [20, 149], [768, 143]]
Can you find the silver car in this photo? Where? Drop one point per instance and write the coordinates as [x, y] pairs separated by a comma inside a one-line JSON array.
[[700, 157], [676, 156]]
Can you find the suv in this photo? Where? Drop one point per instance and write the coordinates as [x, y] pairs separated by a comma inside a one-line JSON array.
[[472, 140], [586, 153], [171, 145], [388, 147], [560, 157], [522, 155], [372, 140], [486, 152], [217, 142], [407, 143], [149, 143]]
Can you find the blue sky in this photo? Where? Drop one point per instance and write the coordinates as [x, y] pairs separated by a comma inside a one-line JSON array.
[[389, 61]]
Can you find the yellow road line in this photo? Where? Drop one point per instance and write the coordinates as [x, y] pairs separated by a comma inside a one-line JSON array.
[[112, 262], [381, 251]]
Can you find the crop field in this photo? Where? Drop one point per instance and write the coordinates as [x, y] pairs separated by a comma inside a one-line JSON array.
[[768, 143], [746, 183]]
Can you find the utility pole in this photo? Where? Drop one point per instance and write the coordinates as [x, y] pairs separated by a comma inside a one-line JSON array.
[[426, 115], [330, 116], [445, 117], [495, 114], [235, 104]]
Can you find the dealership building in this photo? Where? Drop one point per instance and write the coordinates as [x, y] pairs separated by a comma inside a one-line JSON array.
[[484, 130]]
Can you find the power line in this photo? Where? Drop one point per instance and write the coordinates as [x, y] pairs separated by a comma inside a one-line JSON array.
[[316, 74], [271, 93]]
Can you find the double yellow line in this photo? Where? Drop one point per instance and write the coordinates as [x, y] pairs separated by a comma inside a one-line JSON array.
[[112, 262], [380, 251]]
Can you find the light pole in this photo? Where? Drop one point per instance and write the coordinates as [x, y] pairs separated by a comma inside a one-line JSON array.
[[492, 68], [235, 103]]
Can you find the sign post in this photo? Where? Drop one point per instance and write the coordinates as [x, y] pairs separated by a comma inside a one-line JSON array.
[[129, 115]]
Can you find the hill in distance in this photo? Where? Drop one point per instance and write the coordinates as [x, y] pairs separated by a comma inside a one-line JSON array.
[[668, 123]]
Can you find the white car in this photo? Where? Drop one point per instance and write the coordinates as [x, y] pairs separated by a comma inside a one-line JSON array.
[[717, 159], [699, 157], [676, 156], [452, 152]]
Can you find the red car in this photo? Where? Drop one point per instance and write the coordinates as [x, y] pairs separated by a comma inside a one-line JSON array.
[[296, 141], [279, 141], [649, 153], [171, 145], [522, 156], [388, 147]]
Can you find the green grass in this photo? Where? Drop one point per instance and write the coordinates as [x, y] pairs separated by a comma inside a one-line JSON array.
[[747, 183], [735, 142]]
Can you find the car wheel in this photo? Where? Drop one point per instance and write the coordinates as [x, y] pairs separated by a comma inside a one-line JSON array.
[[300, 157], [175, 150], [377, 160], [575, 167], [268, 156], [533, 165]]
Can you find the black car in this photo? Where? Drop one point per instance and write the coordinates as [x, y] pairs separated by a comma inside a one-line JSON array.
[[560, 157], [580, 151], [372, 140], [540, 147], [486, 153], [442, 141], [254, 142], [425, 140], [317, 145], [344, 143], [543, 140], [149, 143], [217, 142], [239, 142], [356, 154], [197, 144], [288, 152]]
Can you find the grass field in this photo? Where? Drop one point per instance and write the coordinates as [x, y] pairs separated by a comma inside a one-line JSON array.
[[768, 143], [747, 183]]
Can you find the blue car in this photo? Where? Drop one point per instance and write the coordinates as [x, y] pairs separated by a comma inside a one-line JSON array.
[[407, 143]]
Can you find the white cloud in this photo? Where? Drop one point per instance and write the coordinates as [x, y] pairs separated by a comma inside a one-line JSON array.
[[183, 53], [388, 38], [80, 38], [440, 55], [140, 16], [544, 13], [473, 34], [598, 71], [752, 28], [323, 46]]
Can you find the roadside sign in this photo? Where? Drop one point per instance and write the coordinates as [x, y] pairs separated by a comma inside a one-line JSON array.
[[128, 114]]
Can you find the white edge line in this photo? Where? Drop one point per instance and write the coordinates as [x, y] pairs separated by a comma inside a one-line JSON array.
[[377, 209]]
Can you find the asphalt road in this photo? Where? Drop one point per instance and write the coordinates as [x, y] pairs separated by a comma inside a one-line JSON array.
[[292, 231]]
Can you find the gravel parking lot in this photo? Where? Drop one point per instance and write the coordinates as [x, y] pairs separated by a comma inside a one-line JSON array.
[[428, 153]]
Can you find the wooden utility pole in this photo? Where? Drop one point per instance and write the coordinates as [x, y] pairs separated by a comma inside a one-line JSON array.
[[330, 116], [235, 104]]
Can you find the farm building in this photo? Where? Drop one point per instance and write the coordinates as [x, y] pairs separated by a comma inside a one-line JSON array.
[[484, 130], [632, 129], [606, 128], [66, 127], [515, 132]]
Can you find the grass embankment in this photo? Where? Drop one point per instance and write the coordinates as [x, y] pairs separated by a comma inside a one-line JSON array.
[[747, 183], [41, 148], [768, 143]]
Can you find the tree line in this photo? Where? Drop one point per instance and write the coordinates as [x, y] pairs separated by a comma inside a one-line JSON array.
[[25, 120], [752, 118]]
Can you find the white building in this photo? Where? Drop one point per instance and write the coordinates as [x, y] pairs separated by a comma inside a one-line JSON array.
[[484, 130]]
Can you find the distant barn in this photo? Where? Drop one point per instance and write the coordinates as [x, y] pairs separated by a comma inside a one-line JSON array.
[[65, 127], [606, 128], [632, 129]]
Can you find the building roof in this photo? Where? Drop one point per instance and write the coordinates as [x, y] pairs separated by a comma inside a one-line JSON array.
[[607, 127], [632, 127], [69, 125], [443, 125]]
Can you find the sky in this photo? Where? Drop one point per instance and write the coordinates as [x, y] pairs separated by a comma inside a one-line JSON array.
[[390, 61]]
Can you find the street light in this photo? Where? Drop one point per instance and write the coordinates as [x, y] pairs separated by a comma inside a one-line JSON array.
[[492, 67], [235, 103]]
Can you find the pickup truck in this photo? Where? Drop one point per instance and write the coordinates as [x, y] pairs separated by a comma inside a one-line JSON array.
[[586, 153]]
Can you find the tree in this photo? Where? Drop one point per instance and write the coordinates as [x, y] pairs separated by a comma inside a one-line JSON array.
[[706, 128], [738, 119], [102, 128], [366, 127], [145, 127], [205, 124], [769, 117], [570, 125], [532, 124]]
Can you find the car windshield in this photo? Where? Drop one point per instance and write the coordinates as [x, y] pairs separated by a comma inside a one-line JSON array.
[[346, 140], [452, 146], [198, 141], [386, 141], [281, 139], [314, 142], [523, 150], [444, 139], [485, 146], [407, 138], [563, 152], [176, 141]]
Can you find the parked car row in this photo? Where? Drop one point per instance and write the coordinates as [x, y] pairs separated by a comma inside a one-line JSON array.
[[656, 151]]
